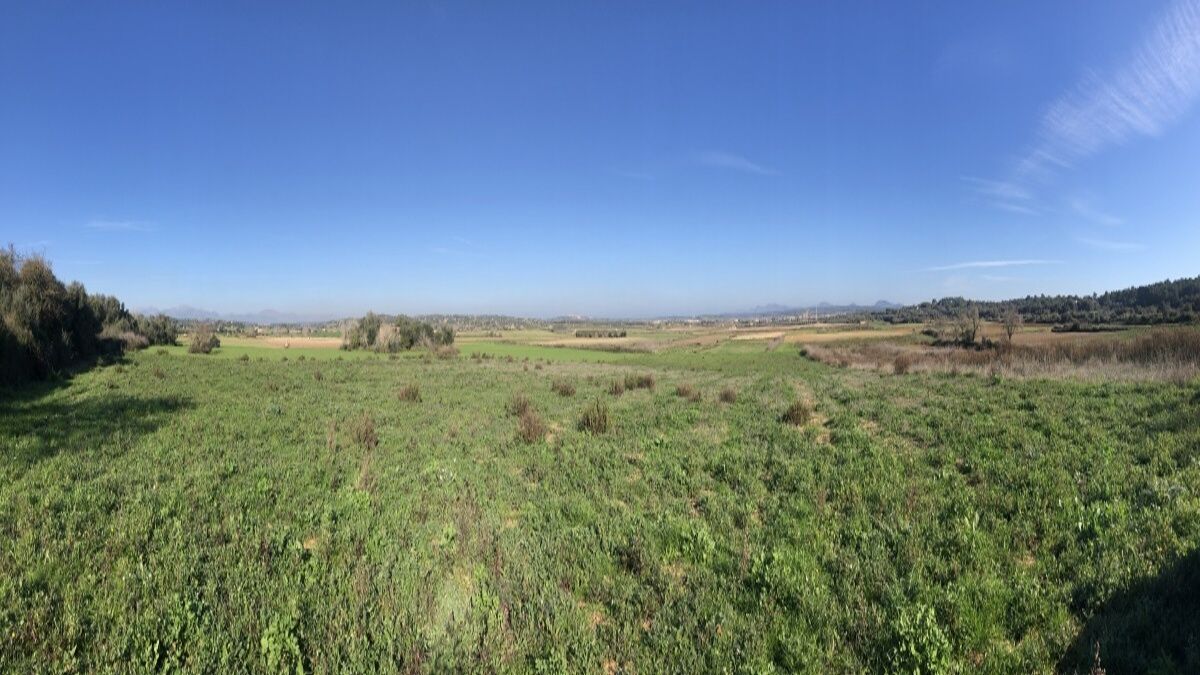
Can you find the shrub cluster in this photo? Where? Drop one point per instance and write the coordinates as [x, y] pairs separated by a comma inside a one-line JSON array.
[[46, 326], [371, 332], [644, 381], [204, 340]]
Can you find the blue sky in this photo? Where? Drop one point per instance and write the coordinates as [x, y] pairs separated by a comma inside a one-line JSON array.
[[619, 159]]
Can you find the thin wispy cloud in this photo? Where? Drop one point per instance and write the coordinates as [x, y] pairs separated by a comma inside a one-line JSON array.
[[727, 160], [986, 264], [1107, 245], [119, 226], [1006, 195], [1141, 97], [1086, 210]]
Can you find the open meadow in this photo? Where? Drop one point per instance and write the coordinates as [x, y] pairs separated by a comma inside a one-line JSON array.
[[710, 505]]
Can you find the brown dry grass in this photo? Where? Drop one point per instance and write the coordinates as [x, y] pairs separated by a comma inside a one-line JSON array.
[[530, 427], [1170, 354]]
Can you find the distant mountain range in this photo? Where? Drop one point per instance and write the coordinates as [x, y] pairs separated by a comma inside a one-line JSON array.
[[264, 317], [270, 316]]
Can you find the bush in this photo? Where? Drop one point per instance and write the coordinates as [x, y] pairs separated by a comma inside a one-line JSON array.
[[616, 388], [519, 404], [798, 413], [728, 395], [204, 340], [410, 393], [158, 330], [645, 381], [595, 418], [363, 432], [562, 388], [902, 363], [689, 392], [530, 427]]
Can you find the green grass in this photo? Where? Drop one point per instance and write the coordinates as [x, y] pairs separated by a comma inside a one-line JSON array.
[[208, 514]]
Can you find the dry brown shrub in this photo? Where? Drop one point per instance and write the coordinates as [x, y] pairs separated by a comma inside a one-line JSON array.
[[530, 427], [728, 395], [595, 418], [798, 413], [689, 392], [562, 388], [616, 387], [519, 404], [410, 393], [363, 432]]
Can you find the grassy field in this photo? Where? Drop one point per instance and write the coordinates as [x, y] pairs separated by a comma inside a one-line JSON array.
[[240, 512]]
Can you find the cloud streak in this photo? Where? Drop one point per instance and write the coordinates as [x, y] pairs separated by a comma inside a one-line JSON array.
[[986, 264], [1141, 98], [726, 160]]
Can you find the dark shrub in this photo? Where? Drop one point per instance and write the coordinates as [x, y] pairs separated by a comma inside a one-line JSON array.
[[363, 432], [616, 388], [530, 427], [519, 404], [562, 388], [798, 413], [728, 395], [595, 418], [410, 393], [689, 392]]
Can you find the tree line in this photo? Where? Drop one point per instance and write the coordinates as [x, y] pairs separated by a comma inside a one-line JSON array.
[[46, 326], [1164, 302]]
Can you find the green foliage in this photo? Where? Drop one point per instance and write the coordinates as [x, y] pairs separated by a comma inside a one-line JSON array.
[[220, 515], [46, 327], [371, 332], [203, 340], [1163, 302], [158, 330], [921, 647]]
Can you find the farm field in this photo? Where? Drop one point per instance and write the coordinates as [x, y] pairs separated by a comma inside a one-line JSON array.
[[263, 509]]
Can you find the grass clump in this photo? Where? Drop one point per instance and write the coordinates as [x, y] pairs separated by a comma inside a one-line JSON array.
[[519, 404], [689, 392], [798, 413], [595, 418], [410, 393], [363, 432], [728, 395], [562, 388], [643, 381], [530, 427], [616, 388]]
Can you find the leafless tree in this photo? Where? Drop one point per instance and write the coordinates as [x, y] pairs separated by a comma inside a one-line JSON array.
[[1012, 322]]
